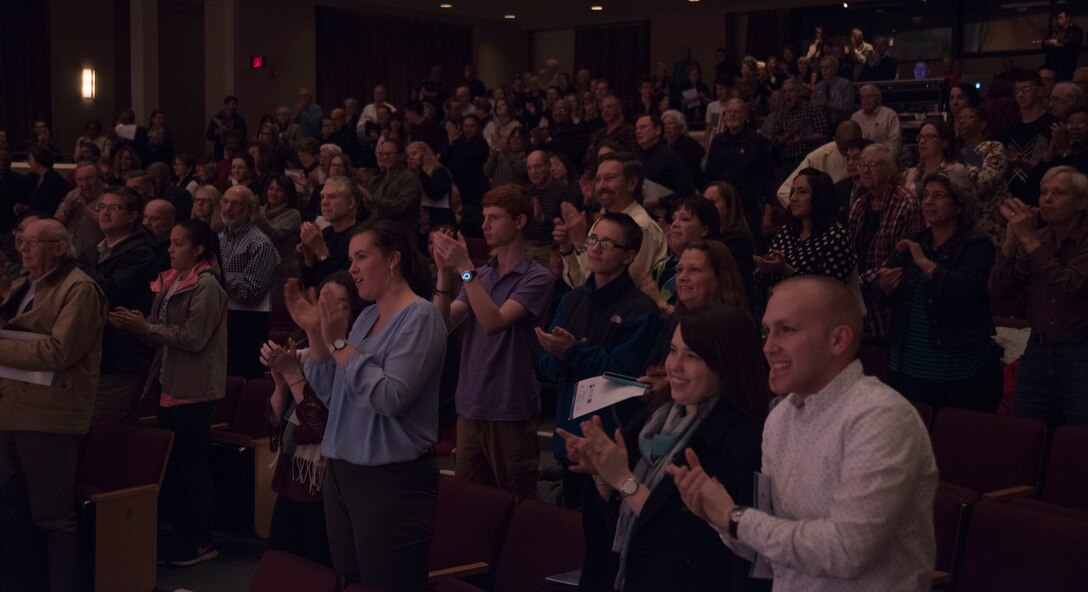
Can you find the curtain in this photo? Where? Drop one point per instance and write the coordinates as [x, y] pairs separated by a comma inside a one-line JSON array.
[[357, 51], [25, 93], [767, 32], [619, 53]]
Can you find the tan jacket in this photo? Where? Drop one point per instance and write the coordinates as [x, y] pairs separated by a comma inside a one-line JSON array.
[[70, 308], [193, 340]]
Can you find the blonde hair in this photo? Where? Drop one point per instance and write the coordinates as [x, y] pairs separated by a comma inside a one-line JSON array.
[[215, 219]]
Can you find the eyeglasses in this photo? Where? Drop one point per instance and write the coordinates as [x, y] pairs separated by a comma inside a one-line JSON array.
[[936, 195], [32, 242], [929, 137], [111, 208], [1023, 90], [607, 244], [869, 166]]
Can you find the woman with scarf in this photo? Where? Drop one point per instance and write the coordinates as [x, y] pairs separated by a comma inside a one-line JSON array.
[[189, 372], [639, 536], [298, 519]]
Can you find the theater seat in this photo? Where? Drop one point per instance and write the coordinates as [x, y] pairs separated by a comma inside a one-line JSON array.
[[1066, 481], [283, 572], [117, 490], [1013, 548], [543, 540], [469, 527], [949, 519], [241, 462], [988, 454]]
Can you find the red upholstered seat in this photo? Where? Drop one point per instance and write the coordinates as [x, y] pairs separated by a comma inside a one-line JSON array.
[[1014, 548], [986, 452], [119, 455], [469, 524], [283, 572], [1066, 481]]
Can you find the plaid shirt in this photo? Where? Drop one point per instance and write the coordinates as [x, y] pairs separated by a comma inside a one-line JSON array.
[[249, 265], [810, 119], [901, 218]]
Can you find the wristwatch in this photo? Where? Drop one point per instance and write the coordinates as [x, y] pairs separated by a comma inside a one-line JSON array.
[[468, 275], [734, 519], [338, 345], [629, 487]]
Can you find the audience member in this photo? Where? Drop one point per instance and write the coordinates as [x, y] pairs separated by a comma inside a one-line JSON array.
[[850, 188], [395, 193], [851, 467], [307, 114], [440, 200], [379, 379], [856, 53], [664, 170], [878, 123], [226, 121], [829, 158], [547, 195], [833, 92], [799, 128], [735, 233], [159, 219], [639, 534], [1026, 140], [94, 136], [1063, 45], [741, 157], [165, 189], [615, 128], [692, 218], [123, 264], [160, 140], [248, 260], [1048, 264], [506, 162], [985, 160], [78, 212], [937, 151], [15, 191], [322, 251], [184, 167], [942, 352], [675, 128], [49, 186], [41, 426], [125, 161], [881, 65], [280, 219], [618, 182], [207, 206], [498, 396]]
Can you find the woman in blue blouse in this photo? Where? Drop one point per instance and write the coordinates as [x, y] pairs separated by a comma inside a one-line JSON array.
[[380, 384]]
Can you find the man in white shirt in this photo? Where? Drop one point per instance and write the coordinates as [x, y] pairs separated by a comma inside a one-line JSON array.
[[829, 158], [851, 468], [878, 123], [370, 112]]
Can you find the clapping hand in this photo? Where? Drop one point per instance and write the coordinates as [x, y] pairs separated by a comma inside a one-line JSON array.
[[773, 263], [302, 305], [452, 252], [557, 342], [597, 454], [129, 320], [889, 279], [705, 496]]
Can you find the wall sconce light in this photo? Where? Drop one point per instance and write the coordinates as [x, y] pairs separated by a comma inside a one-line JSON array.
[[88, 83]]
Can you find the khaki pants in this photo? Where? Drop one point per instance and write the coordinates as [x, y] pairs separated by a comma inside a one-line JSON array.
[[116, 397], [504, 454]]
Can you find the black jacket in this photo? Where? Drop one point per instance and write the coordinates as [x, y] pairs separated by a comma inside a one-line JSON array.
[[671, 549], [744, 161], [664, 166], [125, 278], [957, 303], [48, 195]]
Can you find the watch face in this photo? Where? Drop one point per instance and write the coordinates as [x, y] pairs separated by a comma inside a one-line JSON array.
[[466, 276], [630, 486]]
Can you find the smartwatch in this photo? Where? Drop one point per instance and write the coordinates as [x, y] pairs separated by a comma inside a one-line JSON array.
[[734, 519], [468, 275], [338, 345]]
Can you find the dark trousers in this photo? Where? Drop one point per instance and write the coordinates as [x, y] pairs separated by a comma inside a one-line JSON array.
[[299, 528], [380, 521], [188, 493], [1052, 383], [37, 482], [503, 454], [246, 332], [981, 392]]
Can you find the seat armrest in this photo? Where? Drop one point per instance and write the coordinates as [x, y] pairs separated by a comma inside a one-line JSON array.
[[1004, 495]]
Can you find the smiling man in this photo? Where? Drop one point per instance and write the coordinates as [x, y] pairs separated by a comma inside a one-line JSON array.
[[851, 467], [1050, 264]]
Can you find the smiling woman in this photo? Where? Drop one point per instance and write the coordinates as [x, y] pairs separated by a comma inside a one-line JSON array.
[[637, 529]]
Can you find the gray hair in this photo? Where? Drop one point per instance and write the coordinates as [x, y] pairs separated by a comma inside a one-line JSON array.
[[679, 117], [1076, 95], [55, 231], [1077, 178], [884, 155], [834, 63], [959, 184], [332, 148], [346, 186]]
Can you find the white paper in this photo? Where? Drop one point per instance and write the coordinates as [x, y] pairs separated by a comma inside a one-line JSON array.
[[598, 392], [569, 578], [689, 97], [761, 568], [126, 132], [33, 377], [653, 192]]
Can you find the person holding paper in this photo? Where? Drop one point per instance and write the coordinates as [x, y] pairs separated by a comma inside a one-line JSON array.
[[851, 470], [605, 325], [639, 535], [61, 313]]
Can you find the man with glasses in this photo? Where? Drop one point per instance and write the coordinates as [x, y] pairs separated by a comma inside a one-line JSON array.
[[498, 396], [1026, 140], [41, 425], [619, 179], [604, 325], [395, 193], [123, 265]]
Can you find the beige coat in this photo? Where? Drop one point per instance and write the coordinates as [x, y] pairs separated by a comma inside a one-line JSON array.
[[70, 308]]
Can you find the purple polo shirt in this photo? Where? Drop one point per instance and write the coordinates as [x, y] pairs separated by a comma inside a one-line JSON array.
[[497, 381]]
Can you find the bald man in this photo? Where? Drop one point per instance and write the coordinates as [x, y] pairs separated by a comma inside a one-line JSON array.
[[851, 468], [159, 218], [41, 424], [829, 158]]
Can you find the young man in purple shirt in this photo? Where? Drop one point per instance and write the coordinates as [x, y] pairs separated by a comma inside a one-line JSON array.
[[498, 396]]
